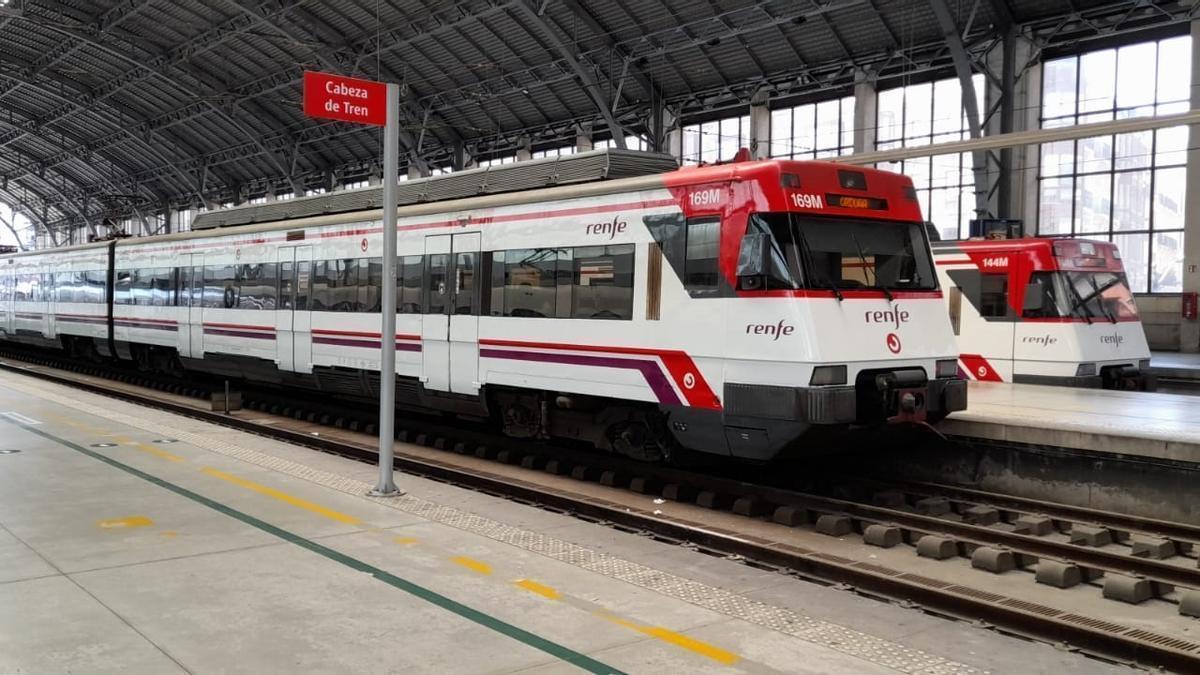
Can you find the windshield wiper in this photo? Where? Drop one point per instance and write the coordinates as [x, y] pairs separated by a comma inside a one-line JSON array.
[[798, 236], [1080, 303], [862, 258], [1096, 291]]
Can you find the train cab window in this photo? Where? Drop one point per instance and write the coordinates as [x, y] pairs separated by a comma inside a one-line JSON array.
[[602, 282], [437, 291], [701, 253], [408, 278], [993, 296], [466, 283]]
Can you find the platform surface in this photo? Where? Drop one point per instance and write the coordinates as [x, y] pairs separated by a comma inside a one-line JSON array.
[[1139, 424], [135, 541], [1176, 365]]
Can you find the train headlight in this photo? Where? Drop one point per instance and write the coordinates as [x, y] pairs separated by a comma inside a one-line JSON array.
[[946, 368], [823, 375], [1085, 370]]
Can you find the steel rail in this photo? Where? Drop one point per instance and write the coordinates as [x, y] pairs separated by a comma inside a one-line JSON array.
[[1034, 620]]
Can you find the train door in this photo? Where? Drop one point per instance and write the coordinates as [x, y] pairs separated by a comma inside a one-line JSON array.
[[285, 339], [52, 283], [450, 325], [301, 316], [985, 334], [195, 310]]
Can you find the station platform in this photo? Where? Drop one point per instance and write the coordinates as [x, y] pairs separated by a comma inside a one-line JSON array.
[[133, 540], [1176, 371], [1136, 424]]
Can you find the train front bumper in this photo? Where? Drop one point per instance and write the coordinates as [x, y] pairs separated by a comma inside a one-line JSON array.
[[852, 404]]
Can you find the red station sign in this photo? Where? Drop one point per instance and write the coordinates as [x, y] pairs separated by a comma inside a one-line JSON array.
[[348, 99]]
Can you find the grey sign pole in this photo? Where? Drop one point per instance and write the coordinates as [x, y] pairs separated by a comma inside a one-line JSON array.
[[386, 487]]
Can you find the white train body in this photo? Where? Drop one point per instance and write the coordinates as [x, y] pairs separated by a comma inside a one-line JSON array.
[[613, 312], [1044, 311]]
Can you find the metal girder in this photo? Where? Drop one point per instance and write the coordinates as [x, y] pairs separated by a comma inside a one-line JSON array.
[[657, 43], [9, 225], [540, 25], [601, 33], [962, 67], [176, 59]]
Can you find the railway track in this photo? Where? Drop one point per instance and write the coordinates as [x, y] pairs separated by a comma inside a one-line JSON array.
[[1136, 561]]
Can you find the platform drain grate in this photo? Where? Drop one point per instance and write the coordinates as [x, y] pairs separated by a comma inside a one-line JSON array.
[[1164, 640], [1092, 622], [878, 569], [1032, 607], [976, 593], [924, 581]]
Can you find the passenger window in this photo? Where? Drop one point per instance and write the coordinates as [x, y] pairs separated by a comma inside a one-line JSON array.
[[436, 290], [320, 298], [372, 277], [408, 299], [496, 284], [993, 296], [602, 280], [122, 289], [700, 260], [530, 282], [466, 291]]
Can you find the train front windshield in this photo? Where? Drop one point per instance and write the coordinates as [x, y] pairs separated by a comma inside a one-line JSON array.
[[1091, 296], [843, 253]]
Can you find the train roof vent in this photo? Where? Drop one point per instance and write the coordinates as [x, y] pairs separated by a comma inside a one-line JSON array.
[[584, 167]]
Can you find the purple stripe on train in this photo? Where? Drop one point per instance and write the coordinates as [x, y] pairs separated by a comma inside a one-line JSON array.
[[649, 369], [365, 344], [239, 333]]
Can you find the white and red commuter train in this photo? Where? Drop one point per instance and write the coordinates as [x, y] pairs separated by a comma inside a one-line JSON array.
[[731, 309], [1044, 311]]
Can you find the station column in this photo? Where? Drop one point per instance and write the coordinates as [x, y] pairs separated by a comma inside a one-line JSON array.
[[1189, 331]]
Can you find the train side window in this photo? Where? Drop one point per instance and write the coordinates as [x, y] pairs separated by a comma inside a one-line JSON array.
[[287, 285], [122, 287], [408, 299], [163, 287], [496, 284], [183, 285], [530, 282], [370, 294], [257, 286], [220, 287], [602, 280], [319, 299], [701, 253], [993, 296], [955, 308], [466, 283], [437, 292]]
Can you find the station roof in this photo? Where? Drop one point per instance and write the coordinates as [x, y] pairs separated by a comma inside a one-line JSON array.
[[117, 109]]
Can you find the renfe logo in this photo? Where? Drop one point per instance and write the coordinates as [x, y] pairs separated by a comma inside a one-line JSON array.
[[1113, 339], [1043, 340], [617, 226], [776, 330], [894, 316]]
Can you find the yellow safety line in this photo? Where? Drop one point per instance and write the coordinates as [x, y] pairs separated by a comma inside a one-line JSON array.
[[283, 497], [541, 589], [157, 452], [472, 564], [131, 521], [406, 540], [678, 639]]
